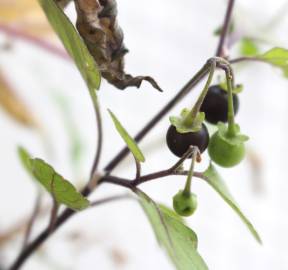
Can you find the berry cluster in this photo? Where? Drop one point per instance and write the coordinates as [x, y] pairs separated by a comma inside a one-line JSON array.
[[225, 147]]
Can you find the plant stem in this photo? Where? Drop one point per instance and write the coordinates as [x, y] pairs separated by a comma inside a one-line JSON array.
[[138, 168], [231, 121], [187, 189], [110, 199], [53, 216], [196, 108], [35, 212], [99, 139], [246, 58], [225, 28]]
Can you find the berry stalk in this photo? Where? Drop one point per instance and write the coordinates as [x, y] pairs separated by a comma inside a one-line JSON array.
[[196, 108], [231, 121], [187, 189]]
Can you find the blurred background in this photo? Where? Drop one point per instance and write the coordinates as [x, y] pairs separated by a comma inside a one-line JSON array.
[[46, 108]]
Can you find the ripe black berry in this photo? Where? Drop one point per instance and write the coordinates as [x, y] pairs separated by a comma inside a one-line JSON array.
[[179, 143], [215, 105]]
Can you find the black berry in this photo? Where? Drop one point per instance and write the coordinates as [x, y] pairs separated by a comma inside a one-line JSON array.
[[179, 143], [215, 105]]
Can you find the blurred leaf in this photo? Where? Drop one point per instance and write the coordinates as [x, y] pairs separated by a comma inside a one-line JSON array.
[[277, 57], [131, 144], [179, 241], [218, 31], [74, 45], [248, 47], [215, 181], [25, 15], [75, 141], [13, 105], [62, 190]]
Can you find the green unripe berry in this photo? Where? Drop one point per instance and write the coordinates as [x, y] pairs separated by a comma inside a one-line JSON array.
[[224, 153], [184, 204]]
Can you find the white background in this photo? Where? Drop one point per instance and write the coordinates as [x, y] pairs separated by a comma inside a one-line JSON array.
[[169, 40]]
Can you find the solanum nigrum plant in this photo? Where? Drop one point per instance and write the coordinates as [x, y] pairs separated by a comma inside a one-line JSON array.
[[98, 51], [215, 104]]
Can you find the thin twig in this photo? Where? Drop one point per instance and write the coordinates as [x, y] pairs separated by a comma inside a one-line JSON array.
[[55, 206], [182, 159], [110, 199], [138, 168], [53, 216], [32, 219], [225, 28], [246, 58], [164, 173], [99, 146]]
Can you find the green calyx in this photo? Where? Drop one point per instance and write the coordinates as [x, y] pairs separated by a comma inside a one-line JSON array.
[[226, 149], [238, 88], [185, 203], [186, 123], [233, 137]]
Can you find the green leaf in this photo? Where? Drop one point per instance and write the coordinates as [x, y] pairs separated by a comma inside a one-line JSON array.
[[181, 125], [170, 212], [62, 190], [24, 157], [248, 47], [215, 181], [179, 241], [127, 138], [73, 44], [277, 57]]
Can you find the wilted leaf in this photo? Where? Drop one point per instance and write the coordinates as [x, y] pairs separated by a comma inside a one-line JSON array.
[[13, 105], [62, 190], [179, 241], [215, 181], [131, 144]]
